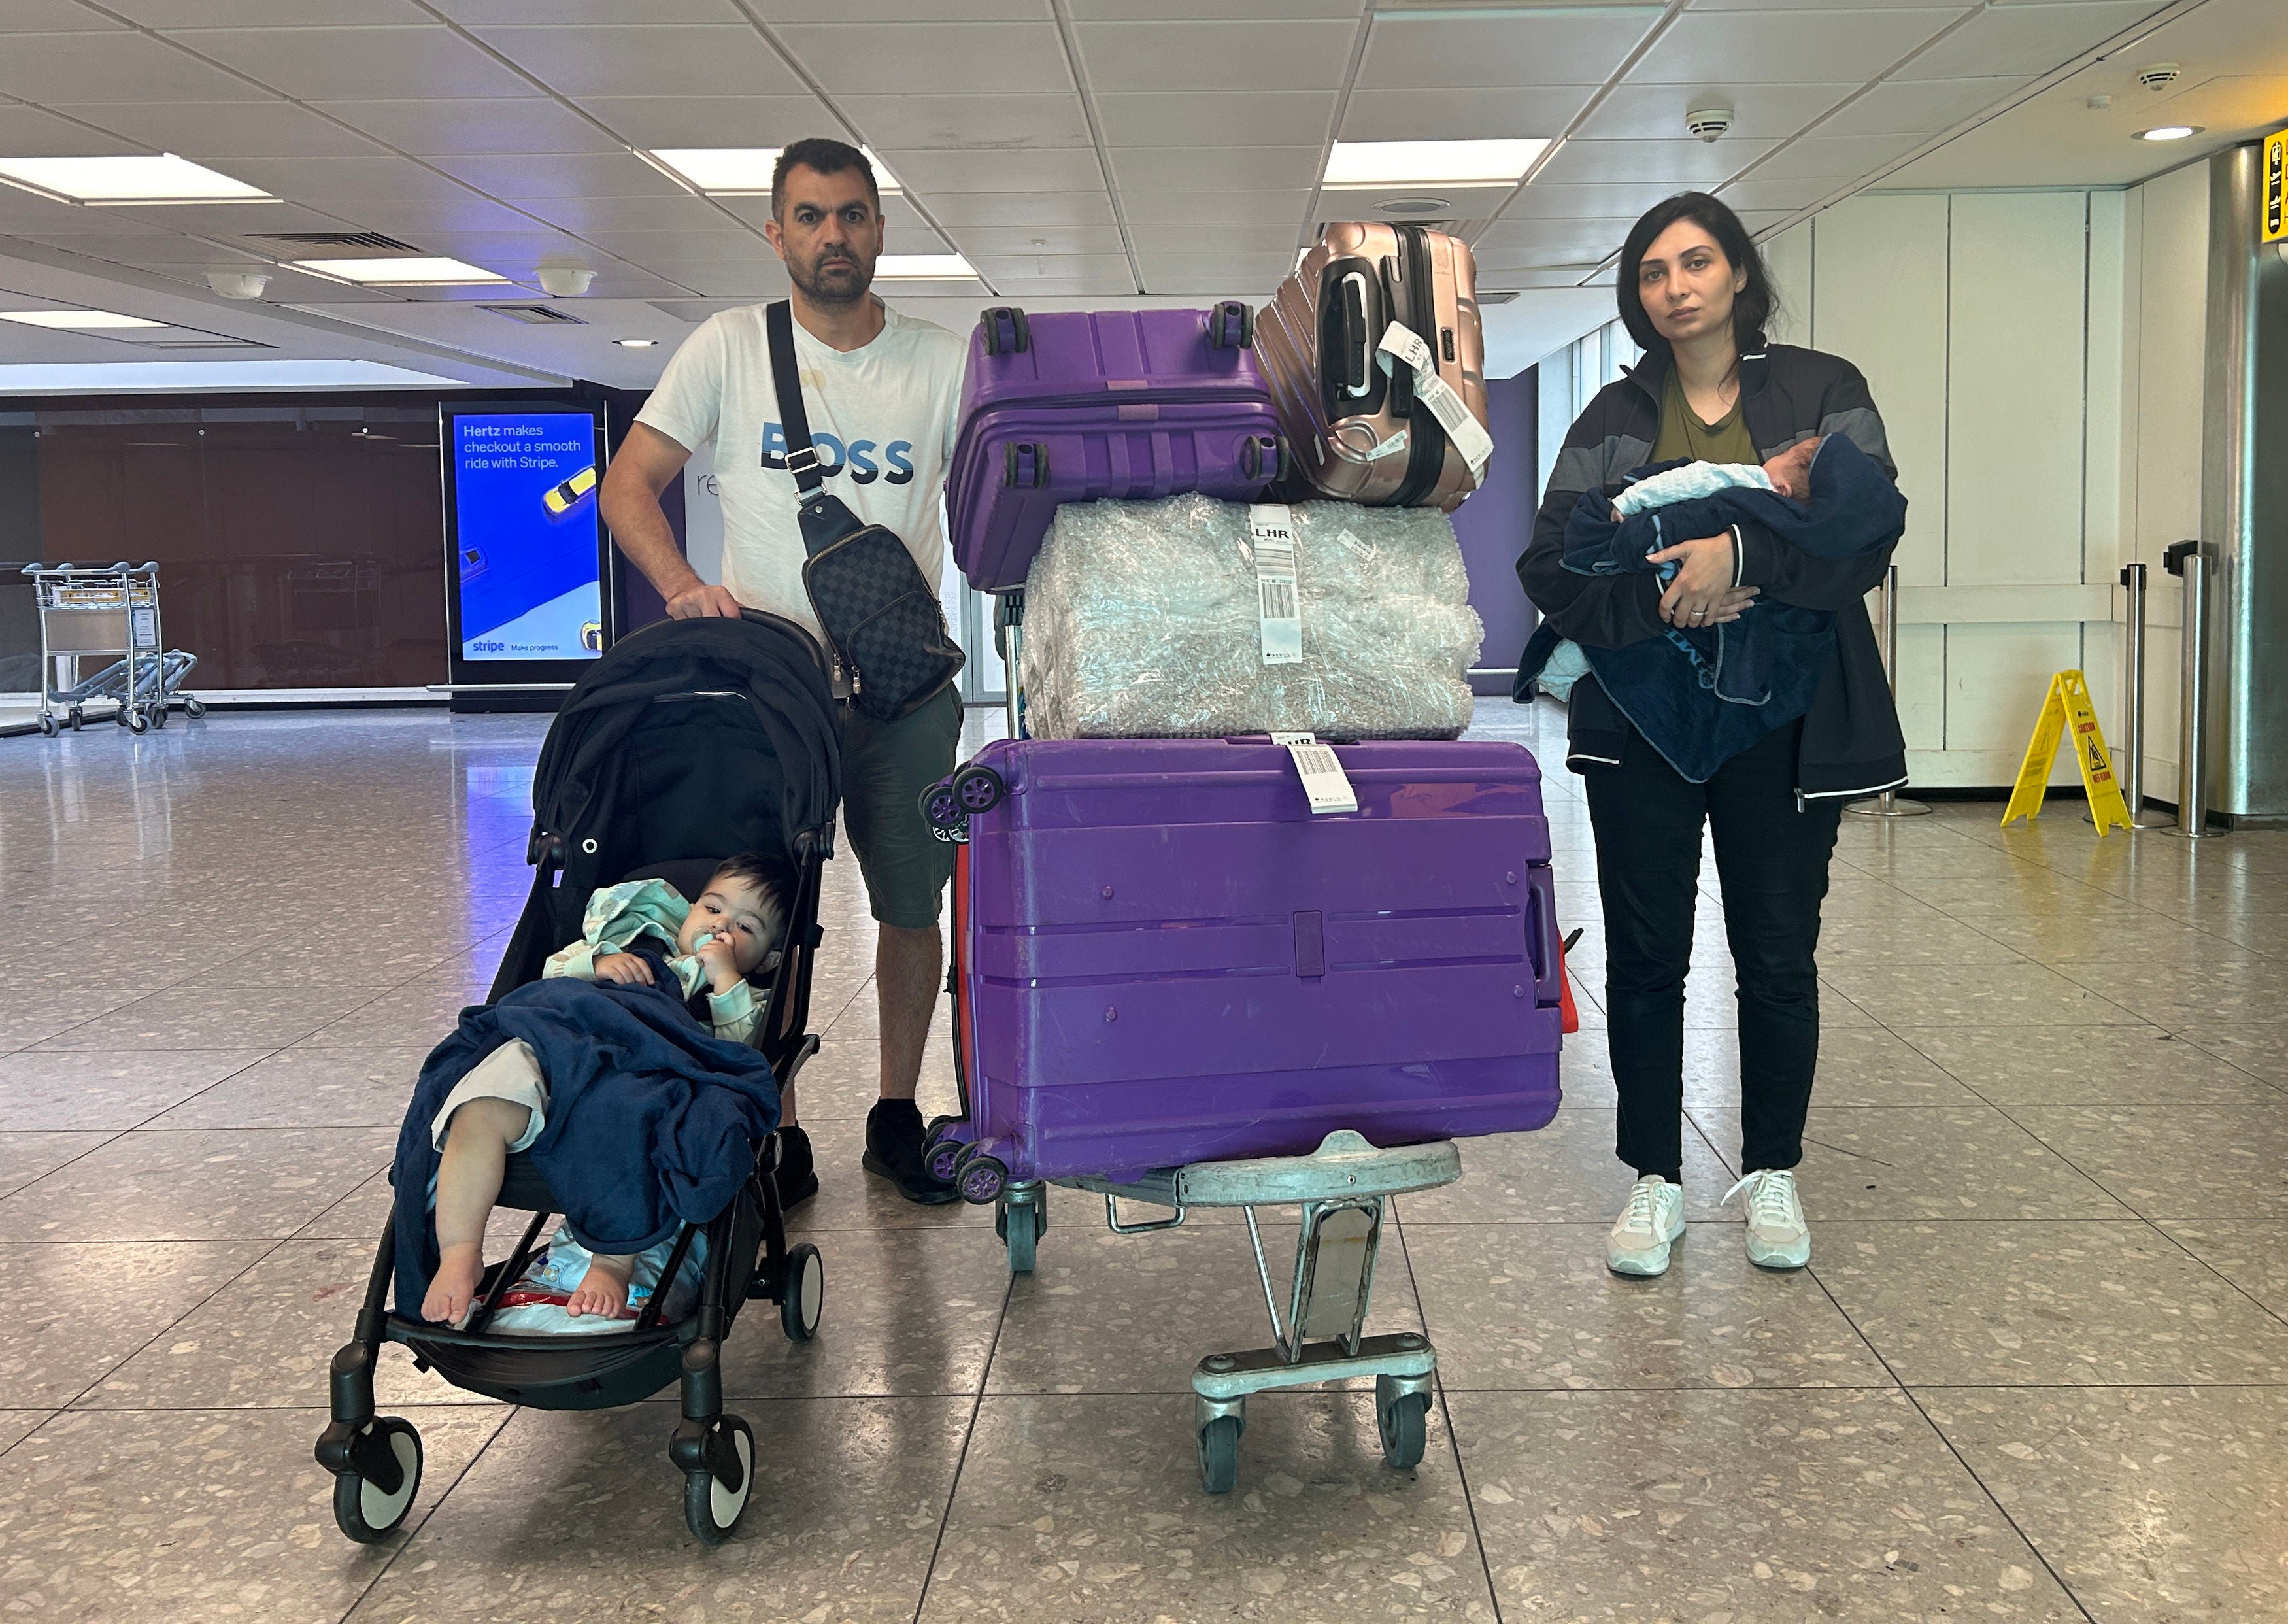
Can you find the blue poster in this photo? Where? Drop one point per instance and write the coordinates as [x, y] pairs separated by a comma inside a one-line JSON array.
[[524, 501]]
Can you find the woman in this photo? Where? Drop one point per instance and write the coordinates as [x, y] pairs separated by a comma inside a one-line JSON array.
[[1695, 295]]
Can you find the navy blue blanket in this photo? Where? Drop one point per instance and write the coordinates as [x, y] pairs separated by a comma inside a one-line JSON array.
[[1701, 697], [651, 1117]]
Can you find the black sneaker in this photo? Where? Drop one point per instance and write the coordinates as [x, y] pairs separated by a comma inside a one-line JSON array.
[[893, 1151], [796, 1176]]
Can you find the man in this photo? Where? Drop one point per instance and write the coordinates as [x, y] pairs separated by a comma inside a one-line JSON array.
[[882, 392]]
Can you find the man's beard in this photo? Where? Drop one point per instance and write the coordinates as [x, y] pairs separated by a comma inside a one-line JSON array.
[[845, 283]]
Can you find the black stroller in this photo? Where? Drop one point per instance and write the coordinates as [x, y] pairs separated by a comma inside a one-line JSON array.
[[688, 742]]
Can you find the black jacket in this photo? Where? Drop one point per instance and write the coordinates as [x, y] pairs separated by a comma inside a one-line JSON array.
[[1852, 745]]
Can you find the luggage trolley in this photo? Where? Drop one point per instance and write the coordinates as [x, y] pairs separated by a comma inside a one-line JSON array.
[[108, 611]]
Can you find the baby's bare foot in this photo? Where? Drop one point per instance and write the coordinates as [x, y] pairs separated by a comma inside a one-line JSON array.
[[603, 1290], [454, 1284]]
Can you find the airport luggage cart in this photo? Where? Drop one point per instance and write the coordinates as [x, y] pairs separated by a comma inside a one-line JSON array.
[[1342, 1189], [108, 611]]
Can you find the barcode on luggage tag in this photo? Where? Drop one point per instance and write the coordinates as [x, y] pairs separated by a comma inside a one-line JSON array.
[[1360, 547], [1325, 785], [1453, 414], [1271, 534]]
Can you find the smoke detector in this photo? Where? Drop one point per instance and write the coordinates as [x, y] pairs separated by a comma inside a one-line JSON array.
[[561, 279], [2157, 75], [1708, 120], [239, 285]]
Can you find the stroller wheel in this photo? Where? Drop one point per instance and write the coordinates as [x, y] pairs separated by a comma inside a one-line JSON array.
[[1220, 1454], [366, 1510], [1403, 1422], [802, 1293], [941, 809], [711, 1509], [978, 789]]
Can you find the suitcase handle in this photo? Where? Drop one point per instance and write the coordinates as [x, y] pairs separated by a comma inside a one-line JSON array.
[[1357, 339], [1541, 943]]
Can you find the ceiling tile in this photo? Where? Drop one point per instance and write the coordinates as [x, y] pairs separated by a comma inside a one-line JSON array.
[[1215, 56], [644, 246], [592, 174], [1759, 112], [1000, 266], [1469, 114], [526, 124], [32, 132], [2028, 39], [1437, 54], [328, 180], [61, 67], [1055, 169], [171, 14], [217, 132], [889, 123], [360, 64], [413, 219], [504, 251], [1216, 118], [712, 121], [1785, 47], [1819, 156], [651, 60], [1202, 208], [1506, 247], [904, 11], [57, 16], [1757, 193], [1542, 201], [231, 220], [1112, 280], [1221, 11], [1243, 168], [883, 60], [1359, 203], [1157, 243], [1017, 240], [1678, 165], [753, 278], [588, 215], [475, 13], [1923, 107], [956, 210], [1221, 277]]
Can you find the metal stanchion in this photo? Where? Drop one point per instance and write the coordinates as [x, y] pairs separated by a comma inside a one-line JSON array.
[[2190, 560], [2129, 757], [1890, 803]]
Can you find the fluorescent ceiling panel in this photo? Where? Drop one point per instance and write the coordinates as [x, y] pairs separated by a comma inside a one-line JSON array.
[[75, 319], [742, 172], [431, 272], [164, 178], [105, 377], [922, 268], [1384, 164]]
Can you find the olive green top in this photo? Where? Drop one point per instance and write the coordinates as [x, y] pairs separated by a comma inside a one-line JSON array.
[[1684, 434]]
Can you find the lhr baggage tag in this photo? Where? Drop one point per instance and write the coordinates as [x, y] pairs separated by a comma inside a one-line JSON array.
[[1462, 427], [1271, 536], [1324, 782]]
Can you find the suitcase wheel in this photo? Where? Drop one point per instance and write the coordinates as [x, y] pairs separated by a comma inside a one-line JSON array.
[[940, 808], [981, 1179], [1231, 326], [1265, 456], [1006, 330], [942, 1157], [978, 790], [1025, 466]]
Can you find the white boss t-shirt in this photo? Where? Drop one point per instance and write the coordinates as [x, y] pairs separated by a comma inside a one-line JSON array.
[[882, 418]]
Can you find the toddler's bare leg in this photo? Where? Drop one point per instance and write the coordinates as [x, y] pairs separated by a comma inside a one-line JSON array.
[[604, 1288], [468, 1181]]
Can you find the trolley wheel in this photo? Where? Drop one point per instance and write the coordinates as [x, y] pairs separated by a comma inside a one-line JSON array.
[[158, 715], [941, 1155], [194, 708], [1021, 1229], [941, 807], [48, 728], [136, 720], [1403, 1422], [78, 719], [802, 1292], [979, 790], [1220, 1454], [712, 1510], [364, 1509], [981, 1179]]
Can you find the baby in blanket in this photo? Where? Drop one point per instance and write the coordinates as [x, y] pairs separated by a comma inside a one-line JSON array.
[[501, 1105]]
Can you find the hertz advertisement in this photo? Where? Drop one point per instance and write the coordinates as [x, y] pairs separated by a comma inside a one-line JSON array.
[[527, 543]]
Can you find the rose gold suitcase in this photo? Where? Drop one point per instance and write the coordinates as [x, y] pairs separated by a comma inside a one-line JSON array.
[[1364, 431]]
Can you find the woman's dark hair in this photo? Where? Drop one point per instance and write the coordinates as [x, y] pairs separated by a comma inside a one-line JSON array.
[[1752, 308]]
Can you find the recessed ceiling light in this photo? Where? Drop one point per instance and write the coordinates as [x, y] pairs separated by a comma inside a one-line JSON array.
[[1362, 163], [922, 268], [114, 181], [635, 343], [75, 318], [739, 172], [432, 272], [2168, 133]]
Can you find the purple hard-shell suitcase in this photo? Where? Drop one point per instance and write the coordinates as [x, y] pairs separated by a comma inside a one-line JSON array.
[[1163, 958], [1077, 405]]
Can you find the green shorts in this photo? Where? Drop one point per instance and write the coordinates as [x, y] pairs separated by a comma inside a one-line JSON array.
[[886, 767]]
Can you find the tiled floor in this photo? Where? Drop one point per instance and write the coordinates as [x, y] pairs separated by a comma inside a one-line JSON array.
[[2037, 1372]]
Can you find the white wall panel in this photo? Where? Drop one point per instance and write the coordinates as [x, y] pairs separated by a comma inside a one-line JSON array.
[[1997, 678], [2015, 339], [1787, 257]]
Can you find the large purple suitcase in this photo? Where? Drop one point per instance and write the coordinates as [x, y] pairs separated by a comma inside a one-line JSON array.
[[1078, 405], [1163, 958]]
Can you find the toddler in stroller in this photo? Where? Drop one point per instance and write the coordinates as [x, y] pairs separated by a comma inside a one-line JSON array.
[[687, 743]]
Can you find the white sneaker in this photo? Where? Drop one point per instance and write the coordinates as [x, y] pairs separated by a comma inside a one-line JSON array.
[[1641, 1235], [1778, 1237]]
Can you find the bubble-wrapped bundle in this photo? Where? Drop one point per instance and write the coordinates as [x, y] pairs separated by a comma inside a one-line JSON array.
[[1142, 621]]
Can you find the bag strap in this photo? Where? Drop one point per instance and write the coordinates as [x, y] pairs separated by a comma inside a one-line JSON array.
[[786, 379]]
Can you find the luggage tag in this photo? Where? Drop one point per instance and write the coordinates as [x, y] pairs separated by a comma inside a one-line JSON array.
[[1324, 782], [1462, 427], [1271, 535]]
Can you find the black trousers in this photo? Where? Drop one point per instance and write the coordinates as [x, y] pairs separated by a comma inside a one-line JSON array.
[[1771, 862]]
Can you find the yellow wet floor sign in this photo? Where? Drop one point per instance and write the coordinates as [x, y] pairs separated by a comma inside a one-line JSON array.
[[2069, 704]]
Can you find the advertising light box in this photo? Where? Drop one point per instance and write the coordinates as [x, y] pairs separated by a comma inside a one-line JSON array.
[[529, 562]]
